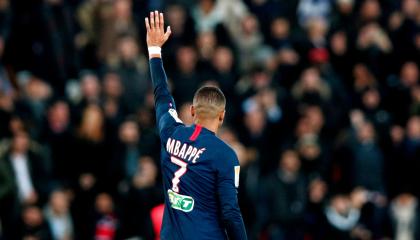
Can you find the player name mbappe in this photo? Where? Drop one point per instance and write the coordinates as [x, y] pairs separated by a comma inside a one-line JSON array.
[[183, 150]]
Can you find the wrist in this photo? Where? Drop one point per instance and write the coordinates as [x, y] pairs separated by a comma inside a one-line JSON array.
[[154, 51]]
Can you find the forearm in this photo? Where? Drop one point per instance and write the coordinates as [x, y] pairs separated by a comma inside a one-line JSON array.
[[235, 226], [157, 72], [163, 98], [231, 214]]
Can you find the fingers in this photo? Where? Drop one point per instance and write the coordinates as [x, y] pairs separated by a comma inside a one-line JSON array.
[[147, 24], [157, 20], [152, 20], [162, 22], [167, 33]]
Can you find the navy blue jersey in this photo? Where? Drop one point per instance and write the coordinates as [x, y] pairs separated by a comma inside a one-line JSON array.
[[200, 174]]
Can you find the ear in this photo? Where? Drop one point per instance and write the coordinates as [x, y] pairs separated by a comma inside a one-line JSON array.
[[192, 110], [222, 116]]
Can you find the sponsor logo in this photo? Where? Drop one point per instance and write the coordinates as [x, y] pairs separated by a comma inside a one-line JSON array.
[[181, 202], [174, 115]]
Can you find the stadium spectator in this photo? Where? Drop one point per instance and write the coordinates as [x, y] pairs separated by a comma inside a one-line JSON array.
[[178, 18], [286, 57], [249, 42], [310, 9], [206, 15], [411, 151], [106, 222], [374, 45], [404, 214], [206, 44], [372, 107], [342, 217], [34, 225], [57, 214], [362, 78], [114, 108], [26, 163], [259, 135], [186, 77], [142, 189], [311, 88], [126, 154], [131, 66], [314, 219], [59, 27], [312, 155], [90, 90], [102, 23], [341, 56], [367, 159], [285, 199], [400, 88], [58, 137], [32, 106], [90, 147]]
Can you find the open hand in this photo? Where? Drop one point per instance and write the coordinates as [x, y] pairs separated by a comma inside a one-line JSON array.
[[156, 35]]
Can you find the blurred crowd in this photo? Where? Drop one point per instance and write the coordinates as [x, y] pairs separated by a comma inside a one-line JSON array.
[[323, 112]]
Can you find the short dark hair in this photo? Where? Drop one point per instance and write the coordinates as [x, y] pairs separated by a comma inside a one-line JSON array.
[[209, 101]]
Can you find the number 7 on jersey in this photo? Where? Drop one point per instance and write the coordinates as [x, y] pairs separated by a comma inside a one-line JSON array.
[[178, 174]]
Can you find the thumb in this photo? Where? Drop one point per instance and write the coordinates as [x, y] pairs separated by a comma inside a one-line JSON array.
[[167, 33]]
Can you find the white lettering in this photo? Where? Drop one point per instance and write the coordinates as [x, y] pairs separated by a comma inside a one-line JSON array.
[[177, 145], [194, 151], [185, 152], [170, 145], [190, 148], [198, 154], [182, 152]]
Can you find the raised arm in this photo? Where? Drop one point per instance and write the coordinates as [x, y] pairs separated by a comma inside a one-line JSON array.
[[166, 115], [155, 39]]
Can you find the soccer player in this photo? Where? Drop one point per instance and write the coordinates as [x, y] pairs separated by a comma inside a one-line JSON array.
[[200, 172]]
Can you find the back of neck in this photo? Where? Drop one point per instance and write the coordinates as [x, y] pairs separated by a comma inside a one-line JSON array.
[[210, 124]]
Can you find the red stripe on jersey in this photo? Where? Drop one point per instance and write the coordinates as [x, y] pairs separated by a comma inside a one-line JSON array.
[[196, 132]]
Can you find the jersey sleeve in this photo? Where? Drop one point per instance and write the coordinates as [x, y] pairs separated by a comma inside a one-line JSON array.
[[227, 182], [166, 115]]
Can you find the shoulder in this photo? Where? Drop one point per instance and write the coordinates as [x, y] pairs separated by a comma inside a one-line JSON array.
[[226, 155], [222, 147], [168, 123], [170, 117]]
